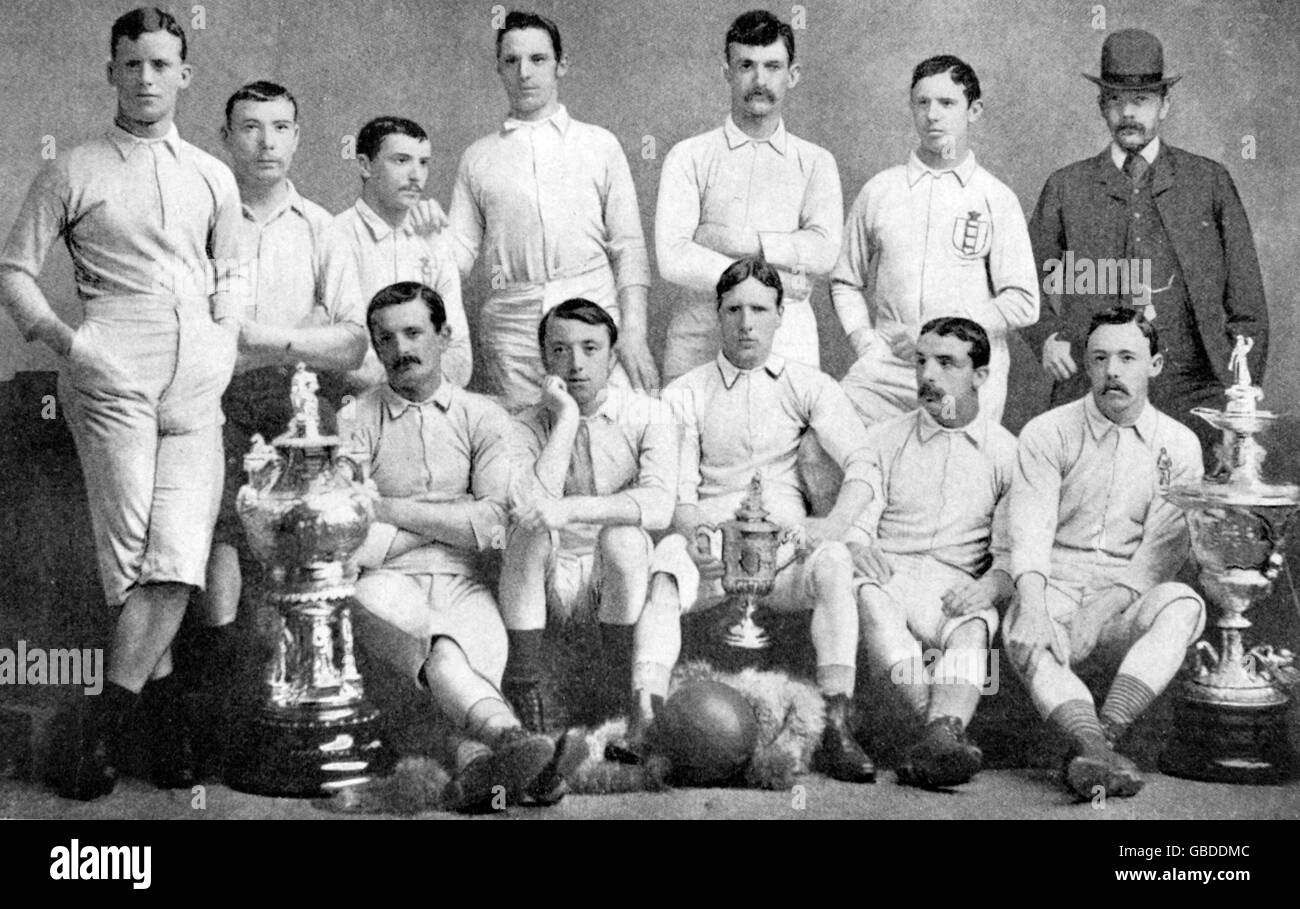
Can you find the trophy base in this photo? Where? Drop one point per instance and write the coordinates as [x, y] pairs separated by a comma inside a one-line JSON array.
[[1223, 743], [313, 754]]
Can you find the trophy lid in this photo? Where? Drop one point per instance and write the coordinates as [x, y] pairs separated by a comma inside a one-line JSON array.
[[751, 514], [303, 430]]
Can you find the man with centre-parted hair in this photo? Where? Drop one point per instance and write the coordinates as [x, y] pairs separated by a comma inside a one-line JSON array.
[[746, 413], [1095, 546], [748, 188], [152, 227], [287, 323], [935, 569], [600, 474], [547, 202], [441, 460], [384, 238], [937, 236]]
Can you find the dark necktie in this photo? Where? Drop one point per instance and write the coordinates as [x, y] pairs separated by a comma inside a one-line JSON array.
[[1136, 167], [581, 479]]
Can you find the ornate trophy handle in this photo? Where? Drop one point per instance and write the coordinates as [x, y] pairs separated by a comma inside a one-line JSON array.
[[355, 472], [796, 537], [262, 463], [704, 534]]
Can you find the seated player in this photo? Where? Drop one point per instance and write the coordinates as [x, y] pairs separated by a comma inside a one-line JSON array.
[[941, 477], [440, 459], [745, 413], [1095, 548], [604, 466]]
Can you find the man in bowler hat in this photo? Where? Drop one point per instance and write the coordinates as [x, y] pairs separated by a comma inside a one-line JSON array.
[[1148, 225]]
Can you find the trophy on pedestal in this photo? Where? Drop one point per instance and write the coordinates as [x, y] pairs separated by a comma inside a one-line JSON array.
[[1230, 724], [305, 511], [750, 551]]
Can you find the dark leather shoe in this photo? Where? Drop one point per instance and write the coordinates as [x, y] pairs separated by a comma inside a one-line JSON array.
[[1098, 770], [839, 756], [552, 784], [502, 776], [525, 699], [171, 758], [83, 766], [943, 757]]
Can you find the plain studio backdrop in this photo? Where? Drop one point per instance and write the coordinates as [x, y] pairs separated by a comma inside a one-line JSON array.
[[649, 72]]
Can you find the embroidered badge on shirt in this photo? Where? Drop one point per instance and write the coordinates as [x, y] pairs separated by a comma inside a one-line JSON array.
[[970, 234]]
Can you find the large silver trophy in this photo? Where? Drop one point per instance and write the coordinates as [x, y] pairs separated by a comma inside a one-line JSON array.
[[305, 511], [1230, 723], [751, 547]]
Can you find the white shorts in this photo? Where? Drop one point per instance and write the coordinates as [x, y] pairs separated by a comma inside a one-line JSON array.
[[573, 580], [425, 606], [1066, 597], [908, 609]]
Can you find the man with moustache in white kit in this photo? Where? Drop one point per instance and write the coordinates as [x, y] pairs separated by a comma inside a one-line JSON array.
[[748, 188]]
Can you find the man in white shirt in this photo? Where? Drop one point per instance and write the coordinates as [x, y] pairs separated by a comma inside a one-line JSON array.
[[748, 188], [602, 466], [1095, 547], [377, 242], [937, 528], [548, 203], [287, 323], [745, 414], [441, 459], [151, 222], [937, 236]]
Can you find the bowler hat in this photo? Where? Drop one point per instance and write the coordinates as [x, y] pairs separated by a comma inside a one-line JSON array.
[[1132, 59]]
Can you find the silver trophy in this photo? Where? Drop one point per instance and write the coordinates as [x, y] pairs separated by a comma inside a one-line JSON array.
[[306, 510], [1231, 719]]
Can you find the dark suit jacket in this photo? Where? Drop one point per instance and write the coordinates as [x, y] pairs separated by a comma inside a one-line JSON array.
[[1084, 208]]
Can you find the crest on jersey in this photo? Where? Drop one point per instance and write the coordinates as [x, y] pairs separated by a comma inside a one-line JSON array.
[[970, 234]]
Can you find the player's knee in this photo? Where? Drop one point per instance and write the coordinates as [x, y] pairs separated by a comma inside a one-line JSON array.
[[1184, 609], [444, 654], [624, 550], [833, 568]]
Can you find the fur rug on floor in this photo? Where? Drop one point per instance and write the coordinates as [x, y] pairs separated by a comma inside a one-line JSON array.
[[790, 715]]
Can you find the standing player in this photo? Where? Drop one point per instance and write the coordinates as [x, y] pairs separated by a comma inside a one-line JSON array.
[[748, 188], [548, 203], [144, 215], [382, 240], [1094, 550], [286, 323], [935, 566], [605, 465], [937, 236]]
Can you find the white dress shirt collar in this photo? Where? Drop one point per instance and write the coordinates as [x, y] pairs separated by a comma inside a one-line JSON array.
[[398, 405], [736, 137], [927, 427], [1099, 424], [916, 169], [559, 120], [1119, 156], [774, 366], [126, 142]]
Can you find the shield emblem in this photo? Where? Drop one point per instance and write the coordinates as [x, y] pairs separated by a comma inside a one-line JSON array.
[[970, 234]]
